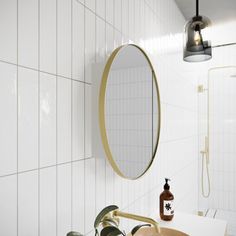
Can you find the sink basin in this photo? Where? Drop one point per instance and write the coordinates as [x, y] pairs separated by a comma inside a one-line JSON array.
[[151, 231]]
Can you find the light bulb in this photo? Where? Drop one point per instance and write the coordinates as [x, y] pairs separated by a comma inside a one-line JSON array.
[[197, 37]]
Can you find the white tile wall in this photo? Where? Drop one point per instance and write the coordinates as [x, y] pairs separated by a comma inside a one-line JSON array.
[[47, 121], [89, 194], [101, 9], [28, 204], [8, 27], [64, 120], [88, 120], [100, 39], [48, 35], [64, 196], [78, 120], [90, 31], [8, 121], [47, 203], [222, 129], [78, 197], [109, 11], [28, 33], [50, 181], [64, 22], [8, 204], [78, 41], [28, 117]]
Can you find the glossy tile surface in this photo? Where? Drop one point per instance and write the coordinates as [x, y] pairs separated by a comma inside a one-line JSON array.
[[28, 117], [8, 119], [46, 112], [47, 120]]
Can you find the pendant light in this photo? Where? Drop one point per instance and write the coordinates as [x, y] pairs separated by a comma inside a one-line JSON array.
[[195, 48]]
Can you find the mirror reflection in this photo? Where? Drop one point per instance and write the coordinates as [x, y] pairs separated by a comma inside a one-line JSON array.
[[130, 118]]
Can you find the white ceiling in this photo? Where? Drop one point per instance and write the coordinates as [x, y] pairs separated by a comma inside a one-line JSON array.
[[218, 11]]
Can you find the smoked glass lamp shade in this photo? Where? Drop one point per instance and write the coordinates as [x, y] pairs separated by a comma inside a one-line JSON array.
[[195, 48]]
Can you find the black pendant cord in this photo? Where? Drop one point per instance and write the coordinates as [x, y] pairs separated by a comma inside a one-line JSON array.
[[223, 45], [197, 7]]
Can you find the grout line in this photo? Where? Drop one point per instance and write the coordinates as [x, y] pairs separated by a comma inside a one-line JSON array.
[[95, 187], [38, 117], [30, 68], [114, 41], [121, 26], [17, 121], [215, 214], [45, 167], [96, 33], [105, 57], [84, 116], [105, 29], [178, 139], [128, 22], [56, 157], [134, 27], [71, 115], [56, 118], [207, 212], [181, 107]]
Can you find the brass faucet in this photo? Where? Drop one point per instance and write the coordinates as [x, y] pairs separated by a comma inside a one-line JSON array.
[[109, 216], [138, 218]]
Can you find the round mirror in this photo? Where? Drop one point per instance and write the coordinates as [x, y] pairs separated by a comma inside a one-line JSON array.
[[129, 111]]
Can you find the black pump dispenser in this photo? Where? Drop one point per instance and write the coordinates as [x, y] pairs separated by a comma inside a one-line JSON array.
[[167, 186]]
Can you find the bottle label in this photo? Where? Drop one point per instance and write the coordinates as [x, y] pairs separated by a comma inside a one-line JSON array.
[[168, 207]]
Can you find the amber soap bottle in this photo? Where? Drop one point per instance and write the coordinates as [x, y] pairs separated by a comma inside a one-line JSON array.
[[166, 203]]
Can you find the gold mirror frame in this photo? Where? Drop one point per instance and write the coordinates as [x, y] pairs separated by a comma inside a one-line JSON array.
[[102, 122]]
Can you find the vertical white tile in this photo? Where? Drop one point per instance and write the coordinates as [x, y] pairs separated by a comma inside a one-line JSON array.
[[28, 203], [125, 17], [48, 201], [8, 29], [64, 199], [47, 119], [109, 40], [78, 42], [88, 121], [78, 196], [63, 119], [90, 4], [131, 19], [109, 11], [89, 194], [90, 49], [27, 119], [100, 183], [8, 205], [28, 33], [137, 30], [64, 38], [77, 120], [100, 39], [48, 36], [117, 16], [117, 39], [8, 119], [101, 8], [109, 184], [117, 191]]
